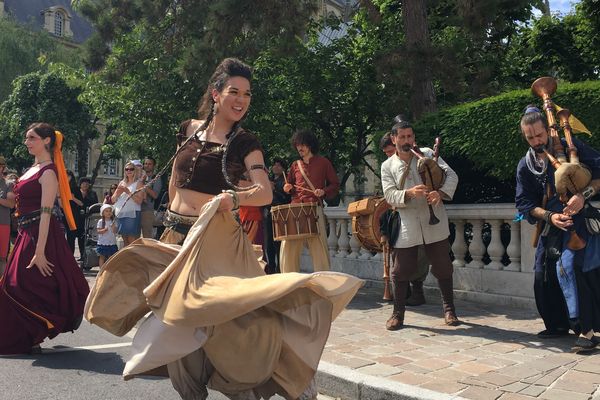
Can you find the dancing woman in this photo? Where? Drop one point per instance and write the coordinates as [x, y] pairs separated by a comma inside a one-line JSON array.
[[217, 320], [43, 290]]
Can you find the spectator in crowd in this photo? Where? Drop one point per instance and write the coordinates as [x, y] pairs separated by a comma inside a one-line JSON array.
[[128, 205], [152, 193], [78, 212], [108, 196]]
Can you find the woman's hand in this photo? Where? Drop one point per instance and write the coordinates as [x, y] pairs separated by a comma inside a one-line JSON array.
[[39, 260], [226, 202]]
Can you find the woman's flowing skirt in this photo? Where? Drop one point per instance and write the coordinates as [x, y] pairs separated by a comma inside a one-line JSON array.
[[216, 318]]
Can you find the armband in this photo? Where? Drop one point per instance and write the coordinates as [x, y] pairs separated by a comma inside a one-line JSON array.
[[45, 210], [588, 192], [235, 197], [258, 166]]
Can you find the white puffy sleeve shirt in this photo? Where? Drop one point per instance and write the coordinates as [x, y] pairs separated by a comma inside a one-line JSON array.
[[414, 213]]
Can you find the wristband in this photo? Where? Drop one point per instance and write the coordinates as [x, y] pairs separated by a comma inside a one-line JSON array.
[[588, 192], [548, 216], [235, 197]]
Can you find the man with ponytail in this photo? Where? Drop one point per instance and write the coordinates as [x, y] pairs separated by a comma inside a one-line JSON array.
[[567, 277], [43, 291]]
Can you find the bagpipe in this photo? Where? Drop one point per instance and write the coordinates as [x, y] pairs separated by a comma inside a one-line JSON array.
[[570, 175], [432, 175]]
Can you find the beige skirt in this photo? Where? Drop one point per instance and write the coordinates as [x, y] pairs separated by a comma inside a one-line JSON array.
[[257, 331]]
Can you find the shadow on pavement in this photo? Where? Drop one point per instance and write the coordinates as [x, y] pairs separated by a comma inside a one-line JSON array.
[[92, 362]]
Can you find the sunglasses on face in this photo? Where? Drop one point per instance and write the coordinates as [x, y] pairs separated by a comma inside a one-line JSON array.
[[129, 169]]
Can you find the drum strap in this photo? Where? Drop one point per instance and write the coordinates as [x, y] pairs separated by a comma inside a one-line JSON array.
[[310, 184]]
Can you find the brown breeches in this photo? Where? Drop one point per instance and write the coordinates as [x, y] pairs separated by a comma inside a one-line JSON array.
[[405, 261]]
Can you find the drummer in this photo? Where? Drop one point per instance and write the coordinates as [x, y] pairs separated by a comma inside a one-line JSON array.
[[310, 180]]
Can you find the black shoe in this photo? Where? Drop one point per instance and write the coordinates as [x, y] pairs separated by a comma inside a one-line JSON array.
[[36, 349], [585, 345], [552, 333]]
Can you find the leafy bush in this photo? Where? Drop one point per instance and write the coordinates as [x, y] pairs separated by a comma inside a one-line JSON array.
[[487, 131], [485, 134]]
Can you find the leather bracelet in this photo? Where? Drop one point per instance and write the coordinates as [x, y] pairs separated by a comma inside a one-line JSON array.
[[235, 197], [46, 210], [548, 216], [588, 192]]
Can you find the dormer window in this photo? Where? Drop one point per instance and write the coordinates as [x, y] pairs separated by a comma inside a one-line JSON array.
[[58, 23]]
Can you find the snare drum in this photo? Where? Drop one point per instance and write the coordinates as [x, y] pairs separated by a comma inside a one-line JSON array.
[[365, 221], [295, 221]]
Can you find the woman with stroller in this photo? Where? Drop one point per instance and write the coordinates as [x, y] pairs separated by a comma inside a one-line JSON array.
[[43, 291]]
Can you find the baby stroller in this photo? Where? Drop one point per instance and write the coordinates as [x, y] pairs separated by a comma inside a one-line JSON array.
[[89, 257]]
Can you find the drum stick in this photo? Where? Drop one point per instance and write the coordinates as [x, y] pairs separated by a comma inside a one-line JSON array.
[[285, 178], [303, 188]]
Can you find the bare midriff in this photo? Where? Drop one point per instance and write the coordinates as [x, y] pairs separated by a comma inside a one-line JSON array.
[[189, 202]]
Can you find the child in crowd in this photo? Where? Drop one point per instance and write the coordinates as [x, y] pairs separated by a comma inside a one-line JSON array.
[[107, 229]]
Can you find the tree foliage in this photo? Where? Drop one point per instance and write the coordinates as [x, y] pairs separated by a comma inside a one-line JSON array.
[[21, 49], [43, 97]]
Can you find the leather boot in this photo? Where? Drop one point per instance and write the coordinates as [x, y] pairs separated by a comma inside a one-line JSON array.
[[417, 297], [397, 319], [446, 288]]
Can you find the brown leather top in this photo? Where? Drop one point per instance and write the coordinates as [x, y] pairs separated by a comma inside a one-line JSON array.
[[198, 165]]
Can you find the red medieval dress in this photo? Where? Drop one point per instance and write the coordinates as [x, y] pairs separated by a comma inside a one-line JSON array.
[[33, 307]]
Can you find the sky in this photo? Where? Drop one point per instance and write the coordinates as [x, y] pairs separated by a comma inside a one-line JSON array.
[[562, 6]]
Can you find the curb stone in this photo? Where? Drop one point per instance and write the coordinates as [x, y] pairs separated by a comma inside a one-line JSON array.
[[348, 384]]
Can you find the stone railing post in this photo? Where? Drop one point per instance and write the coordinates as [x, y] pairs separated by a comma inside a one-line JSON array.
[[513, 250], [459, 247], [476, 248], [495, 248]]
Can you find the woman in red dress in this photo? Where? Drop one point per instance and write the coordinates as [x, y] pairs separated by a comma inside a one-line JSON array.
[[43, 290]]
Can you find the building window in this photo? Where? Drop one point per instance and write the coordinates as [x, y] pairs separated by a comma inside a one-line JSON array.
[[110, 168], [58, 23]]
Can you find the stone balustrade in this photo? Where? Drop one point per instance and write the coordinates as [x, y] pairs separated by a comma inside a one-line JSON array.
[[492, 253]]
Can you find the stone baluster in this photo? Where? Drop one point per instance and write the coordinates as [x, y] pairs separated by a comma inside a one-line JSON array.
[[476, 248], [332, 239], [495, 248], [343, 240], [459, 246], [514, 247], [354, 247]]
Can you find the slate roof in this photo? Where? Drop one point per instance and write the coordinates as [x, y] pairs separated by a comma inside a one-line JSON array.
[[29, 12]]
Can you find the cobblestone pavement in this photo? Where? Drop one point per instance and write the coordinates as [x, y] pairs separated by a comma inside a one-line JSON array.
[[493, 354]]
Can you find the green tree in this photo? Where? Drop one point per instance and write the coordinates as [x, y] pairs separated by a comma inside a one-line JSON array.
[[21, 49], [46, 97]]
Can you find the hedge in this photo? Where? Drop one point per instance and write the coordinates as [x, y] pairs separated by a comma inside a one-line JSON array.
[[486, 132]]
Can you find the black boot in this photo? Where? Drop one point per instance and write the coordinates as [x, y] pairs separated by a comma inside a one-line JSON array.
[[397, 319], [446, 288], [417, 297]]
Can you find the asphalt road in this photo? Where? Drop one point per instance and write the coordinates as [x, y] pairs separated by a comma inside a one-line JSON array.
[[85, 365]]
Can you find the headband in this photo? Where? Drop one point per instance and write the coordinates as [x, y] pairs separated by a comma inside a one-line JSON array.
[[64, 189]]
